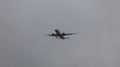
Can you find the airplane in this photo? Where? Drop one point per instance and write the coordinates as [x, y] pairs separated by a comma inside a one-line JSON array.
[[60, 35]]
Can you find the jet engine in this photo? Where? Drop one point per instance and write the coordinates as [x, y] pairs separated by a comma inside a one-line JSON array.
[[53, 34], [63, 34]]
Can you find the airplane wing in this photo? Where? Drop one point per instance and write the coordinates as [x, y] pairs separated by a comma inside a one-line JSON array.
[[51, 34], [65, 34], [63, 37]]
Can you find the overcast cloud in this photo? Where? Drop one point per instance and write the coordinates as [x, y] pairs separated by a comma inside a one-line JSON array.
[[24, 23]]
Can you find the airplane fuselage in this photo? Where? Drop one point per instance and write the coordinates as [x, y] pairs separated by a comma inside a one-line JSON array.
[[61, 35]]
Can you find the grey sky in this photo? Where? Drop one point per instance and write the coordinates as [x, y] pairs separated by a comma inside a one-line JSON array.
[[24, 23]]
